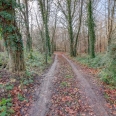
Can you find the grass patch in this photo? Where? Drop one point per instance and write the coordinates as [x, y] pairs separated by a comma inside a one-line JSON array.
[[64, 84], [97, 62], [108, 76], [68, 76]]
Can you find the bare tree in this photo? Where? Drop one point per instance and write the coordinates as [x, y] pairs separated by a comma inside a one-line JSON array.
[[45, 12], [69, 9], [25, 15]]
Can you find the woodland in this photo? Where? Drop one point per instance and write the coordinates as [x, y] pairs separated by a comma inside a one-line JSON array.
[[57, 58]]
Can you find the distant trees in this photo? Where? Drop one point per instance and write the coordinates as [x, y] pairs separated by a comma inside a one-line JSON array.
[[11, 35]]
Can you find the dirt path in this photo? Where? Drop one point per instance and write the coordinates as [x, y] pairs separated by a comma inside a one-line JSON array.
[[43, 95], [65, 95], [95, 101], [61, 95]]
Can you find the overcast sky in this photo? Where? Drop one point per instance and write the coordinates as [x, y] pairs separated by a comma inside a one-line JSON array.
[[99, 12]]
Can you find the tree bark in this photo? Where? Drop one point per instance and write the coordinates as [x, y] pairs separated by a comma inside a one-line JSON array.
[[44, 8], [80, 20], [12, 37], [91, 29], [28, 36], [70, 28]]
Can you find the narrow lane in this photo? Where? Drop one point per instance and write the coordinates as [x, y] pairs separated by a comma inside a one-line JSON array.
[[95, 103], [43, 95]]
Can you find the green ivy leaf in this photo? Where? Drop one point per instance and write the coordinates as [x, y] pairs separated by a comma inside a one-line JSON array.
[[3, 113]]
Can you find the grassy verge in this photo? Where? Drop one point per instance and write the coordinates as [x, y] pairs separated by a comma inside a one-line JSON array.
[[35, 62], [103, 62], [107, 74]]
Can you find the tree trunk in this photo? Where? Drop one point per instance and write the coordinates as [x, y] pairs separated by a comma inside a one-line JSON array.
[[53, 35], [44, 8], [91, 29], [70, 28], [12, 37], [28, 36], [80, 20], [47, 39], [111, 14]]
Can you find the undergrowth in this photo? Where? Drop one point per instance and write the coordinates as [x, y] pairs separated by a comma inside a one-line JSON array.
[[35, 62], [103, 62], [35, 65]]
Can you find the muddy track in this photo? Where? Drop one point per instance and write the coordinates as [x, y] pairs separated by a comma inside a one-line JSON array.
[[89, 92], [43, 94], [65, 95], [95, 101]]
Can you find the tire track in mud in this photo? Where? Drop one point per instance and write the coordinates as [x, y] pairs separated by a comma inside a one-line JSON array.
[[94, 101], [44, 93], [65, 95]]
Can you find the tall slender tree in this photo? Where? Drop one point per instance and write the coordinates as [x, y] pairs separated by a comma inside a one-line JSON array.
[[53, 33], [26, 18], [45, 11], [79, 27], [111, 14], [91, 30], [25, 14], [70, 27]]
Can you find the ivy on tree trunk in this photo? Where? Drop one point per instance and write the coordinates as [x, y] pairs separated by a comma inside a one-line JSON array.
[[91, 30], [11, 35]]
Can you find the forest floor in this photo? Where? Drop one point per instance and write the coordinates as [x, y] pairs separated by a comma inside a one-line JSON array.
[[71, 89], [66, 88]]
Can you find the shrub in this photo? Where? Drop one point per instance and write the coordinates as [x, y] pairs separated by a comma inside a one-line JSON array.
[[106, 63]]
